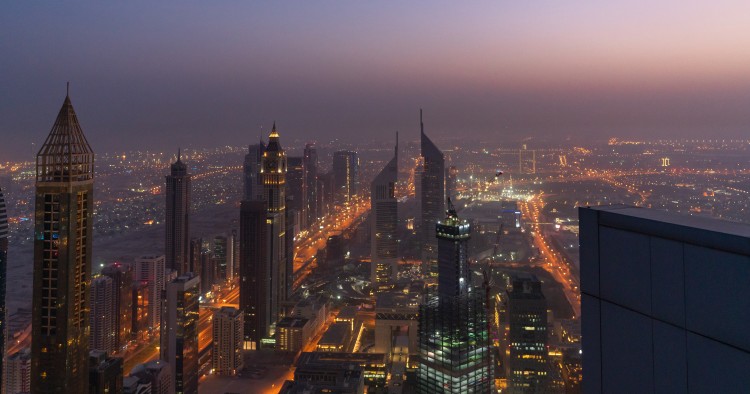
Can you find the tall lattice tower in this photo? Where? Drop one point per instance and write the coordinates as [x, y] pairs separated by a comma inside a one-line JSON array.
[[62, 258]]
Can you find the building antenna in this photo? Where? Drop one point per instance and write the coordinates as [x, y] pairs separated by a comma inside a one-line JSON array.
[[67, 89], [421, 125]]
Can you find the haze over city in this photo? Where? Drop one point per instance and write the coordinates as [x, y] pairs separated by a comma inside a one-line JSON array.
[[197, 74]]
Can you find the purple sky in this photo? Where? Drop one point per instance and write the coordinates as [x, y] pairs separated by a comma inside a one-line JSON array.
[[158, 76]]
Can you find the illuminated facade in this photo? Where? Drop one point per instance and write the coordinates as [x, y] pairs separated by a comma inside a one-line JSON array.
[[226, 355], [179, 332], [62, 258], [103, 315], [384, 223], [273, 176], [526, 360], [3, 271], [177, 227], [454, 345], [151, 270], [432, 199]]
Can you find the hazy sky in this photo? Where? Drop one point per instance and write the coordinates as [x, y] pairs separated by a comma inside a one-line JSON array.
[[166, 74]]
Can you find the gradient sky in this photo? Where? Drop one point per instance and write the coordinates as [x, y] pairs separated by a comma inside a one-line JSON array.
[[166, 74]]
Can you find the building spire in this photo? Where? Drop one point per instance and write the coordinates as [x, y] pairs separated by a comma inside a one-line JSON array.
[[67, 89], [396, 144], [179, 153]]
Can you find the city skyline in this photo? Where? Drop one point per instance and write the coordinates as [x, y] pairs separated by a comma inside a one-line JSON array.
[[619, 69]]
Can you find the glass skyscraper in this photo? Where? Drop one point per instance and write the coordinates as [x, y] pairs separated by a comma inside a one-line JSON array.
[[454, 345], [3, 273], [177, 228], [432, 198]]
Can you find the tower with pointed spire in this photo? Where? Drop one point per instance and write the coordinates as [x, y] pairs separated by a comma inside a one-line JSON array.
[[62, 258], [273, 176], [177, 236], [432, 199], [384, 225]]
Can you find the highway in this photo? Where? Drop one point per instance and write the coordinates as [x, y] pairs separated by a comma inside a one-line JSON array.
[[553, 261]]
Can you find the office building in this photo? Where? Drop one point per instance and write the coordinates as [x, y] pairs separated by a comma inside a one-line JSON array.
[[273, 177], [396, 317], [384, 226], [314, 366], [310, 180], [451, 182], [296, 194], [151, 270], [3, 272], [122, 283], [665, 299], [179, 331], [178, 217], [227, 341], [221, 258], [17, 372], [432, 199], [105, 373], [62, 258], [340, 378], [103, 315], [346, 176], [255, 273], [454, 345], [525, 355], [326, 193], [292, 333], [253, 189]]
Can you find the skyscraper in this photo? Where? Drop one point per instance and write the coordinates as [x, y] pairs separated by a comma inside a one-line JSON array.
[[295, 194], [345, 175], [177, 240], [18, 372], [62, 258], [526, 355], [179, 331], [103, 315], [273, 176], [227, 341], [105, 373], [3, 273], [665, 300], [252, 187], [432, 198], [310, 157], [255, 273], [454, 346], [384, 223], [151, 270], [122, 284]]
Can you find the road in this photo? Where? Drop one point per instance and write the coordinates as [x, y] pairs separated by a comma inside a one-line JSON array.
[[553, 261]]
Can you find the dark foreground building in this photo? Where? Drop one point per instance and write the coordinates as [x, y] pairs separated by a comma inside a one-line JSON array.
[[3, 274], [665, 302], [454, 346], [62, 258]]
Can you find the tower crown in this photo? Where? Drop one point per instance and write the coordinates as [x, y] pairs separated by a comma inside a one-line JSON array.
[[65, 155], [273, 141]]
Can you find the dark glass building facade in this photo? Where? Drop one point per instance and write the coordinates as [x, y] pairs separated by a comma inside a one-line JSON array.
[[177, 227]]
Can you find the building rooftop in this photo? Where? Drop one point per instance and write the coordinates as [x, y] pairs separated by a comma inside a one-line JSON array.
[[397, 299], [348, 313], [337, 334], [291, 322], [713, 233]]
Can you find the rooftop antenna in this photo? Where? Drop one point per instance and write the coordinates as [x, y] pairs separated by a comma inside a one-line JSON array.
[[179, 154], [421, 125], [67, 89], [396, 144]]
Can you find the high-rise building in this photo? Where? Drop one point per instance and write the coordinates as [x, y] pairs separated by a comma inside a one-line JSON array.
[[432, 199], [255, 273], [221, 258], [384, 225], [140, 323], [253, 189], [179, 331], [526, 356], [154, 377], [105, 373], [296, 193], [326, 192], [62, 258], [346, 176], [151, 270], [122, 282], [310, 164], [17, 378], [178, 217], [665, 299], [454, 345], [227, 341], [273, 176], [3, 273], [103, 314]]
